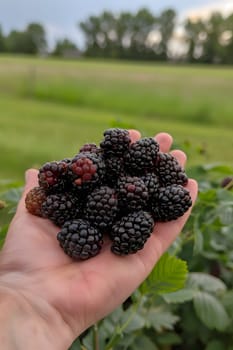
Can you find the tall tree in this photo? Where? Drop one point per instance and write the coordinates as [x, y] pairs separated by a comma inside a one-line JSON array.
[[37, 36], [166, 27], [2, 41], [63, 46], [196, 34]]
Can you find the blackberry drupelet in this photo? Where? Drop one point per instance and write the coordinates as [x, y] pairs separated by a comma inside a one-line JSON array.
[[86, 171], [130, 233], [141, 156], [169, 170], [132, 193], [116, 142], [90, 148], [52, 176], [171, 203], [79, 239], [60, 207], [101, 208], [34, 199]]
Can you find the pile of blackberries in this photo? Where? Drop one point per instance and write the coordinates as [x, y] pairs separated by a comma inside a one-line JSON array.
[[120, 189]]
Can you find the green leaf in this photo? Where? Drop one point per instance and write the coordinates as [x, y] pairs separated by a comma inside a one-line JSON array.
[[203, 281], [227, 301], [143, 342], [168, 276], [13, 195], [3, 232], [215, 345], [168, 338], [135, 324], [181, 296], [76, 345], [160, 319], [198, 241], [210, 311]]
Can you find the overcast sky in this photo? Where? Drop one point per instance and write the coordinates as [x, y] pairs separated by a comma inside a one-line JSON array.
[[60, 17]]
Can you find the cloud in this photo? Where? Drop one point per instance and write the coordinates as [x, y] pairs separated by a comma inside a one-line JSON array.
[[225, 7]]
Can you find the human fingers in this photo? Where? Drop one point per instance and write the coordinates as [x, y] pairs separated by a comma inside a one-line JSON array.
[[180, 156], [31, 180], [134, 135], [165, 141]]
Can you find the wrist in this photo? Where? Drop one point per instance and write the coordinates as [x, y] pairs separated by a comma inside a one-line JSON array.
[[29, 323]]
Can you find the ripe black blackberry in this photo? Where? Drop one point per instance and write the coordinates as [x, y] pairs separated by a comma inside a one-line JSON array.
[[79, 239], [34, 199], [132, 193], [101, 208], [60, 207], [52, 176], [116, 142], [130, 233], [86, 171], [141, 156], [169, 170], [114, 169], [170, 203], [90, 148], [152, 183]]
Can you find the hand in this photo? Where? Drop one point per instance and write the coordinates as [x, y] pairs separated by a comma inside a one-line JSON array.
[[70, 295]]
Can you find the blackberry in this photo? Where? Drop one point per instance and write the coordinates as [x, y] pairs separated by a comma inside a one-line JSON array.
[[114, 169], [169, 170], [227, 183], [141, 156], [101, 208], [90, 148], [79, 239], [52, 176], [34, 199], [131, 232], [132, 193], [170, 203], [60, 208], [86, 170], [116, 142], [152, 183]]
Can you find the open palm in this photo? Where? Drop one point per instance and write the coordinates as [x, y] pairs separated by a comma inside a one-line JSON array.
[[82, 292]]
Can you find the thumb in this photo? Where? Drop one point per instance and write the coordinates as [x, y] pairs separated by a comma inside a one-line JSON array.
[[31, 180]]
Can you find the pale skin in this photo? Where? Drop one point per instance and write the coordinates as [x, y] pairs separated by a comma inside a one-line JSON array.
[[46, 299]]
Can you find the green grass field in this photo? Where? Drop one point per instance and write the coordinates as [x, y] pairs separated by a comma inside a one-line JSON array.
[[49, 108]]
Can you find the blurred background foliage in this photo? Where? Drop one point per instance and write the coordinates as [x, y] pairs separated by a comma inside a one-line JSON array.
[[129, 74]]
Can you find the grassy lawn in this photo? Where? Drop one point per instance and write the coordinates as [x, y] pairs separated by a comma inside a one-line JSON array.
[[49, 108]]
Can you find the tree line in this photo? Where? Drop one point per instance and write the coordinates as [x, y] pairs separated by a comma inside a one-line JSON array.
[[136, 36]]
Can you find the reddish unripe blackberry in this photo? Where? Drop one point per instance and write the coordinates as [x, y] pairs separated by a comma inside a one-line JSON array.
[[101, 208], [79, 239], [52, 176], [60, 207], [86, 171], [90, 148], [130, 233], [171, 203], [116, 142], [169, 170], [132, 193], [34, 199], [141, 156]]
